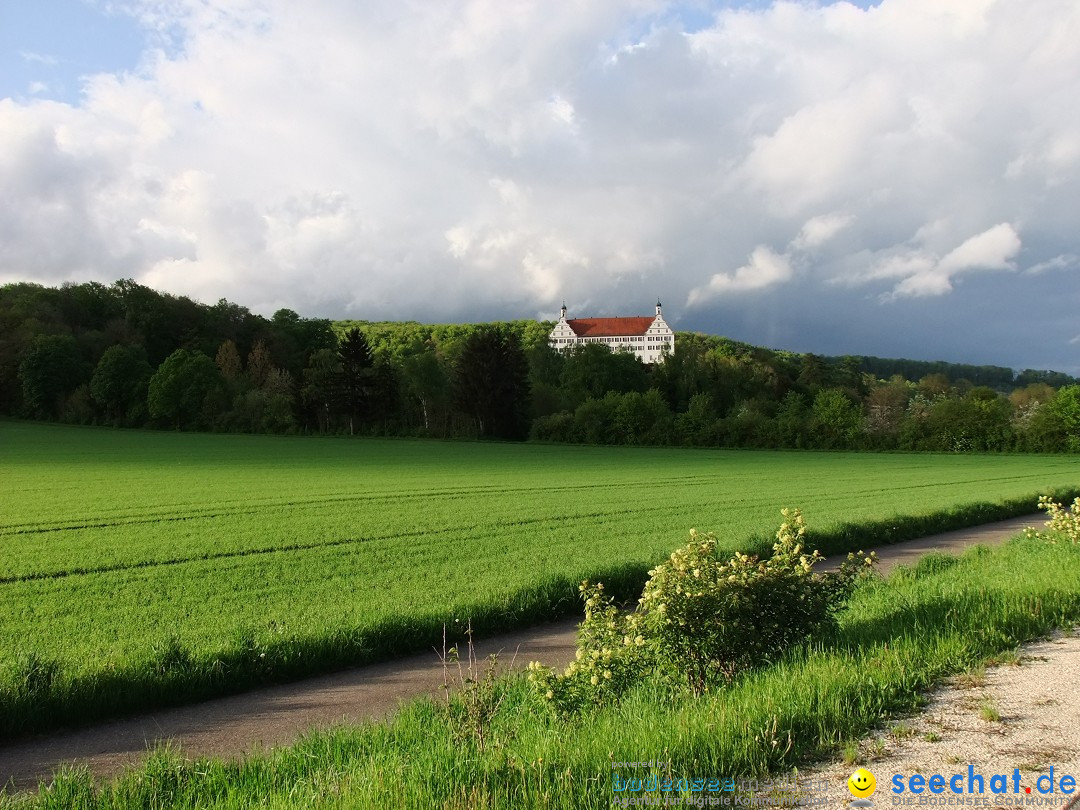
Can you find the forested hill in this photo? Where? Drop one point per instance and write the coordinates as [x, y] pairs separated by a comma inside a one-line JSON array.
[[401, 338], [999, 378], [127, 355]]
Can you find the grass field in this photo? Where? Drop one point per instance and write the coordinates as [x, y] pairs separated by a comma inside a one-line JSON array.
[[896, 639], [144, 568]]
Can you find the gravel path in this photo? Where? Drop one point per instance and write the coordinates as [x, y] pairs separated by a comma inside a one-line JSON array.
[[1024, 715], [276, 716]]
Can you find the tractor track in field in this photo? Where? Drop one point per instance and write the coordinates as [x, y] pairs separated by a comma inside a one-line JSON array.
[[257, 507], [468, 531], [278, 715]]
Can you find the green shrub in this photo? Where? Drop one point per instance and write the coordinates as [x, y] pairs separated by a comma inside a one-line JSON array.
[[701, 617]]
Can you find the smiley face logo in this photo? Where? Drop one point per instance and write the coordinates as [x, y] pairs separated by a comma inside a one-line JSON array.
[[862, 784]]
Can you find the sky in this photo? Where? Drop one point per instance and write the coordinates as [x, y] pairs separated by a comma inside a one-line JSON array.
[[897, 178]]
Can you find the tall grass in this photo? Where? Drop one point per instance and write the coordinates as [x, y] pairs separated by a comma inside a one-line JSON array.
[[896, 638]]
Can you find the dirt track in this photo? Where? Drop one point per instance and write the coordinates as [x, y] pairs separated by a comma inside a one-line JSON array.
[[276, 716]]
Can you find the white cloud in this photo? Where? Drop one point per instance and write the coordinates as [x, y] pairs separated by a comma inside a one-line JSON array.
[[765, 268], [993, 249], [32, 57], [930, 282], [803, 161], [817, 231], [923, 273], [474, 156], [1063, 261], [562, 110], [902, 265]]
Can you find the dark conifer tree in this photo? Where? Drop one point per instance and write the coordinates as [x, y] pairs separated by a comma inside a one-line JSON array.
[[491, 383], [319, 392], [355, 380]]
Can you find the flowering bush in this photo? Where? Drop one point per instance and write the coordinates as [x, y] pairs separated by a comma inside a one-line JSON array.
[[612, 655], [1065, 522], [711, 615], [701, 616]]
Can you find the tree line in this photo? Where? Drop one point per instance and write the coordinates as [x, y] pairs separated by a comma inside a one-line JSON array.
[[129, 356]]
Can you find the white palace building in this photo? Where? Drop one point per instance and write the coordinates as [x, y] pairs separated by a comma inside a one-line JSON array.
[[650, 338]]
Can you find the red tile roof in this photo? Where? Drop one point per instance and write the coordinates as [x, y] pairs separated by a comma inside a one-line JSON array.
[[610, 327]]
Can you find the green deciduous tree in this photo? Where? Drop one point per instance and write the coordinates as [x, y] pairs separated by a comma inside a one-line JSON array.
[[594, 419], [979, 420], [643, 418], [592, 369], [791, 421], [180, 387], [427, 383], [120, 382], [51, 367], [697, 426], [293, 339], [835, 419], [1066, 406]]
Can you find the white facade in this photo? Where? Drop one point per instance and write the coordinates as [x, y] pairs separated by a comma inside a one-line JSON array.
[[650, 338]]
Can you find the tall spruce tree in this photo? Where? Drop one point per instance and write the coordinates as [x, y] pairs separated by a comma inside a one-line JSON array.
[[491, 383], [319, 393], [355, 380]]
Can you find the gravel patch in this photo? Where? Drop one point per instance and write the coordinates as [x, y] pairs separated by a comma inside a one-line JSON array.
[[1021, 714]]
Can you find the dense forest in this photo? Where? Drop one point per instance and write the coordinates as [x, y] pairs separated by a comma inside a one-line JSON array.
[[129, 356]]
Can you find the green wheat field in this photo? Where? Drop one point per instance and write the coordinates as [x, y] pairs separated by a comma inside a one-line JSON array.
[[141, 568]]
